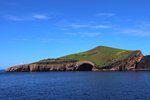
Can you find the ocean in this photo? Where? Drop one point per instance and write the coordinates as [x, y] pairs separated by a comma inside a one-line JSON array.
[[74, 85]]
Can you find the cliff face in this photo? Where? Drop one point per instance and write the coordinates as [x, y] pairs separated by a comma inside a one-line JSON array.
[[42, 67], [126, 64], [144, 64], [129, 63], [74, 66]]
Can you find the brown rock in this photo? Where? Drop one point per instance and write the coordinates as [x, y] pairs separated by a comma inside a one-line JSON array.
[[75, 66], [126, 64], [129, 63], [144, 64]]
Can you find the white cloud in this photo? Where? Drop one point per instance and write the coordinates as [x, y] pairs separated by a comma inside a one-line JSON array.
[[105, 14], [135, 32], [89, 26], [79, 25], [26, 18], [22, 39], [14, 18], [135, 29], [40, 17], [47, 40], [41, 39], [84, 34], [102, 26]]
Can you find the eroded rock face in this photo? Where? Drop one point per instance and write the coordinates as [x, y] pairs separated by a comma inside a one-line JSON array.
[[125, 64], [75, 66], [144, 64], [129, 63]]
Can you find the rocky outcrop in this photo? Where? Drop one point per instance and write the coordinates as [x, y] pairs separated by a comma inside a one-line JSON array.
[[126, 64], [74, 66], [144, 64], [129, 63]]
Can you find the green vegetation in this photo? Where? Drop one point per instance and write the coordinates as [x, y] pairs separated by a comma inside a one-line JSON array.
[[100, 55], [55, 61]]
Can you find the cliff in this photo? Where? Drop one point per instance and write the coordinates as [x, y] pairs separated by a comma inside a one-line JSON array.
[[71, 66], [144, 64], [127, 64], [100, 58]]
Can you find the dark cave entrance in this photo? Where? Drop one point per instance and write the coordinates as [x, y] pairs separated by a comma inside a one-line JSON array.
[[85, 67]]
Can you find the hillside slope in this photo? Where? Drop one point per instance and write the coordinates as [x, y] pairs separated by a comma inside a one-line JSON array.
[[99, 58], [100, 55]]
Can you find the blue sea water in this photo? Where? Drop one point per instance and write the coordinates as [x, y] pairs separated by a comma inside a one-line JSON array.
[[75, 86]]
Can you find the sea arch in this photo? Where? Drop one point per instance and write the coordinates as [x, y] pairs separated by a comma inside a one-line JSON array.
[[84, 66]]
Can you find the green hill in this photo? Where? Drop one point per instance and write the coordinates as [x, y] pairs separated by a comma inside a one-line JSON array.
[[100, 55]]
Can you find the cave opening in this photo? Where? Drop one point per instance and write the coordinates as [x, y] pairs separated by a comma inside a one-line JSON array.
[[85, 67]]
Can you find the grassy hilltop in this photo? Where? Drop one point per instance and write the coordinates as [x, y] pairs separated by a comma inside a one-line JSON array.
[[100, 55]]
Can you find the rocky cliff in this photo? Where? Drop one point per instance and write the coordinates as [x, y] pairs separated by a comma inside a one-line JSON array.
[[128, 62], [72, 66], [144, 64]]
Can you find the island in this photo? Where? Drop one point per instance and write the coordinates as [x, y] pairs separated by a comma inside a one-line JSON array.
[[101, 58]]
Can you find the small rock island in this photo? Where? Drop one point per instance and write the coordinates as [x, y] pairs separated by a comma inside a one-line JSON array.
[[101, 58]]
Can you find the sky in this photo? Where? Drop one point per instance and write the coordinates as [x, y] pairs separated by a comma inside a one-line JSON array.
[[31, 30]]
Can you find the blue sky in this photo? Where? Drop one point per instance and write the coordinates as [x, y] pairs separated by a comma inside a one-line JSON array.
[[31, 30]]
